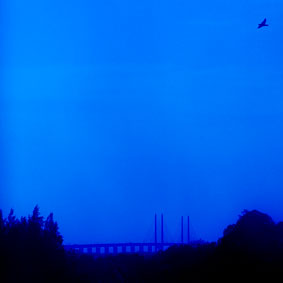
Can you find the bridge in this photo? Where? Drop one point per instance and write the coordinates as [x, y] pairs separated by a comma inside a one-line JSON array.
[[140, 248], [116, 248]]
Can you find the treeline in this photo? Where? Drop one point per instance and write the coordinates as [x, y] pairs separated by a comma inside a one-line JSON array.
[[31, 250]]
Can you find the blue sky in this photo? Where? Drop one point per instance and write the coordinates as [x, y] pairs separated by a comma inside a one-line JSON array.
[[115, 110]]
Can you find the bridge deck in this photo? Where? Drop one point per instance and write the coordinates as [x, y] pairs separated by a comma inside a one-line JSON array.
[[115, 248]]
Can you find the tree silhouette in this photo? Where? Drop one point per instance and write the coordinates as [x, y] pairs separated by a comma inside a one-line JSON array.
[[11, 221], [35, 221], [51, 231], [31, 249], [253, 231]]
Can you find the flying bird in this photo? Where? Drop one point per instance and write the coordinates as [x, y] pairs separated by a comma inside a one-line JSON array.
[[263, 24]]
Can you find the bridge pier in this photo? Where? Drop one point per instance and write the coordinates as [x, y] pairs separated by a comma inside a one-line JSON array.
[[97, 250], [115, 250], [124, 249]]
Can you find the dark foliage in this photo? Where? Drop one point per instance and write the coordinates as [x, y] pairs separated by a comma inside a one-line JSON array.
[[31, 249], [251, 250]]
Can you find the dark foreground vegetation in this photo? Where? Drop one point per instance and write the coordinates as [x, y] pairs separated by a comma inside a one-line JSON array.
[[251, 250]]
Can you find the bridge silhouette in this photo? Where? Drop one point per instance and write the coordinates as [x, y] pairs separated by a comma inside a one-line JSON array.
[[140, 248]]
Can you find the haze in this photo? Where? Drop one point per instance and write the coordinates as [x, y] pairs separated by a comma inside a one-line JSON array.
[[112, 111]]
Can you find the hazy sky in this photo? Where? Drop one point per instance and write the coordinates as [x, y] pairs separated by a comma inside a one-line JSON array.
[[114, 110]]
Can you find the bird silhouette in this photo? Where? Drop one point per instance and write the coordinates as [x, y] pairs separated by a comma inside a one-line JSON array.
[[262, 24]]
